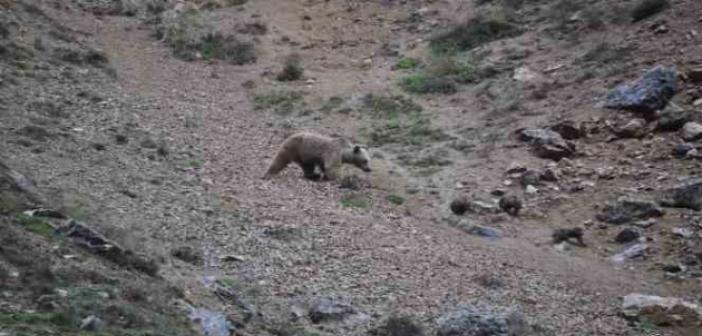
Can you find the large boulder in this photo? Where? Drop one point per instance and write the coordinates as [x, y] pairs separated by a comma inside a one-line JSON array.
[[473, 321], [647, 94], [626, 210], [685, 195], [662, 311], [546, 143]]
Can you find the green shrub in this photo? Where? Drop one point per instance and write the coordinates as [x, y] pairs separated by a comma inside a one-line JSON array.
[[395, 199], [281, 102], [647, 8], [389, 107], [228, 48], [478, 31], [292, 70], [35, 225], [191, 38], [407, 63], [354, 200], [423, 83]]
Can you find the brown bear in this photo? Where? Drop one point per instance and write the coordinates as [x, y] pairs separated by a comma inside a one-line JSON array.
[[311, 151]]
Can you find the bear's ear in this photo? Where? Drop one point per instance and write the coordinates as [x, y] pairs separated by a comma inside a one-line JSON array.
[[356, 149]]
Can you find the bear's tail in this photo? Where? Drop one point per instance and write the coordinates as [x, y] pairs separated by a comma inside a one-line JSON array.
[[279, 163]]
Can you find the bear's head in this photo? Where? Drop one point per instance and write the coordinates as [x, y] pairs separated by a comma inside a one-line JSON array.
[[358, 157]]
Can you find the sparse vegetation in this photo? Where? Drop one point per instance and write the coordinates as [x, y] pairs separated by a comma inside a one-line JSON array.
[[486, 27], [281, 102], [603, 59], [424, 83], [191, 38], [354, 200], [292, 69], [395, 199], [331, 104], [389, 107], [647, 8], [35, 225], [404, 121], [407, 63]]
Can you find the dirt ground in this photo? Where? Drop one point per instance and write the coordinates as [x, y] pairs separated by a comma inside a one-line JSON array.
[[294, 239]]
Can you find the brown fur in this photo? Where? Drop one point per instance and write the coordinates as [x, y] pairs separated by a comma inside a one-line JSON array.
[[310, 150]]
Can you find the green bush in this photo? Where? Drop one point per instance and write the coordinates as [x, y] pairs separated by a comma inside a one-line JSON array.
[[423, 83], [476, 32], [191, 38], [407, 63], [647, 8], [395, 199], [281, 102], [292, 70], [389, 107], [228, 48]]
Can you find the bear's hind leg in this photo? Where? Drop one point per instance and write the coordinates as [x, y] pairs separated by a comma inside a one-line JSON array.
[[308, 170]]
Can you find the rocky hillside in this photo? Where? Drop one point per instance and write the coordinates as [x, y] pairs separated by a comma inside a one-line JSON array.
[[535, 167]]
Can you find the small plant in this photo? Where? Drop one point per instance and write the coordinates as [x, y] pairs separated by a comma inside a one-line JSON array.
[[354, 200], [229, 48], [281, 102], [389, 107], [35, 224], [292, 70], [483, 29], [647, 8], [407, 63], [191, 38], [331, 104], [423, 83], [395, 199]]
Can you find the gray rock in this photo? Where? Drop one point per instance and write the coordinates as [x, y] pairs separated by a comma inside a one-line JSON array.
[[662, 311], [647, 94], [546, 143], [568, 130], [629, 210], [473, 321], [211, 323], [92, 323], [681, 150], [482, 207], [83, 236], [695, 75], [531, 190], [683, 233], [631, 252], [691, 131], [325, 309], [187, 254], [635, 128], [671, 121], [467, 226], [627, 236], [510, 204], [685, 195], [550, 175], [459, 205], [530, 177]]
